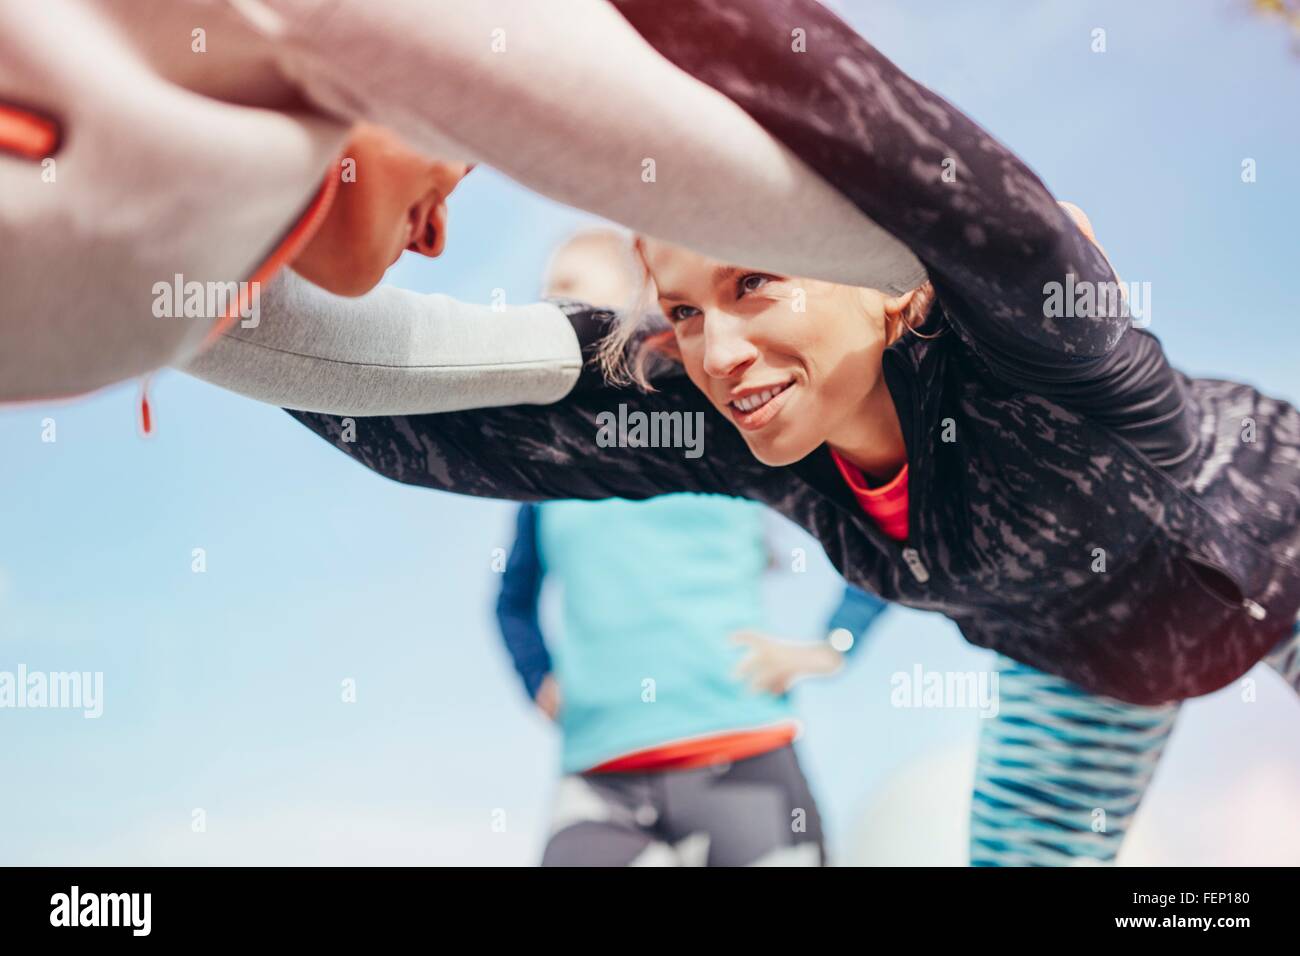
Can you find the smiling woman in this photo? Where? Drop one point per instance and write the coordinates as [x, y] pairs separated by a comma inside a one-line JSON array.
[[792, 362]]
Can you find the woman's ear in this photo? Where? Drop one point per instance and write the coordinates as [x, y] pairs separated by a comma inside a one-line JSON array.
[[896, 306]]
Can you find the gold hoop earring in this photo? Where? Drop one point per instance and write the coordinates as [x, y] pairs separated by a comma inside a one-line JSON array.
[[921, 335]]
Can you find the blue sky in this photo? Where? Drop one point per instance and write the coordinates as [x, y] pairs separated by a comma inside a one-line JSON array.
[[222, 689]]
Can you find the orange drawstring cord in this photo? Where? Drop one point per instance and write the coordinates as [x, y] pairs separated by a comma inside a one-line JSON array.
[[146, 413], [285, 252]]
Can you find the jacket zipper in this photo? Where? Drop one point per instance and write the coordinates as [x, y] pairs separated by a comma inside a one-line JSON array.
[[1253, 608], [911, 556]]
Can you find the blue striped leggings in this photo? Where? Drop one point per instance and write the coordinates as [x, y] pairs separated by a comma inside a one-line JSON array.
[[1061, 772]]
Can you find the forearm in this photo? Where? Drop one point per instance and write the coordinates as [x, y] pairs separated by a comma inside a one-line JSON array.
[[392, 352], [430, 392], [519, 603], [527, 649], [567, 99], [577, 447]]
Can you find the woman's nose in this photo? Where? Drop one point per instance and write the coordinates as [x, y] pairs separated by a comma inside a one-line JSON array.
[[726, 348], [431, 234]]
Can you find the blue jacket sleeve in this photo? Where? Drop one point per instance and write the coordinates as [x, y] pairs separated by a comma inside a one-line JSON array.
[[517, 604], [857, 613]]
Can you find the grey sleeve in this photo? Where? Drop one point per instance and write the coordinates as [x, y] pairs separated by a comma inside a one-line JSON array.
[[391, 352], [568, 100]]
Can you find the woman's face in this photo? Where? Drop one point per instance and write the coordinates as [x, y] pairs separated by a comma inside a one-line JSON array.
[[398, 201], [789, 361]]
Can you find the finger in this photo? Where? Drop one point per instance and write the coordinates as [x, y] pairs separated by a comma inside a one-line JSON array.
[[776, 684], [763, 683], [1080, 218], [1085, 226]]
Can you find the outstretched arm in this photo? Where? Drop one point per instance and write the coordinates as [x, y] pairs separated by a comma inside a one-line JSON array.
[[986, 227], [580, 447], [567, 99], [362, 372], [392, 352], [1020, 282]]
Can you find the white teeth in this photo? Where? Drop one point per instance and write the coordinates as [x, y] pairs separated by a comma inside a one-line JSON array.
[[750, 402]]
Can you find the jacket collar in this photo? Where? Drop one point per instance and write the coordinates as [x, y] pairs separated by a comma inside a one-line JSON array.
[[907, 363]]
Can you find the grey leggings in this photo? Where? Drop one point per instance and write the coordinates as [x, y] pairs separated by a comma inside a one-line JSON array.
[[754, 812], [1061, 772]]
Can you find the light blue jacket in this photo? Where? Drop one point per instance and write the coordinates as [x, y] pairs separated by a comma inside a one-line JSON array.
[[651, 591]]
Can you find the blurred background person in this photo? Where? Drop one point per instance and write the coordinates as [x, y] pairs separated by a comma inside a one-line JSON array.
[[671, 699]]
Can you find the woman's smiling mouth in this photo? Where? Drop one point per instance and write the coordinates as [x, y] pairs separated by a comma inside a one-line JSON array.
[[756, 407]]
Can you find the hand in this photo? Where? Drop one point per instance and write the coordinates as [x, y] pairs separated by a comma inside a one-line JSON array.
[[548, 697], [1085, 226], [773, 665]]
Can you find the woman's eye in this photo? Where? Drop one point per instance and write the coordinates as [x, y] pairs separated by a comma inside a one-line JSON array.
[[680, 313], [753, 282]]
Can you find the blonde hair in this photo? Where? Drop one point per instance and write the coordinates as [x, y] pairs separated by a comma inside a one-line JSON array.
[[625, 352]]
